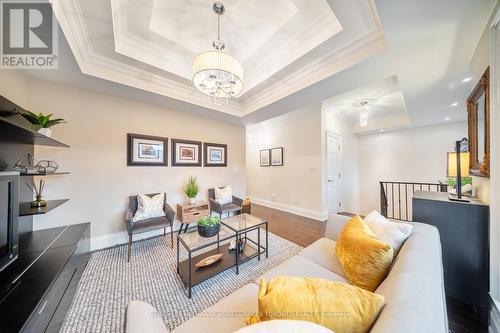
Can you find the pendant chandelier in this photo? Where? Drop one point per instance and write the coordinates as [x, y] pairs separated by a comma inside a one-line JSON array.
[[216, 73], [363, 115]]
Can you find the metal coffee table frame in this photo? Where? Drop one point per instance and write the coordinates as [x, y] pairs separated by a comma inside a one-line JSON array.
[[241, 234]]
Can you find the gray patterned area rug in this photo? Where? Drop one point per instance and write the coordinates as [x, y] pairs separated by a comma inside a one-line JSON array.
[[109, 283]]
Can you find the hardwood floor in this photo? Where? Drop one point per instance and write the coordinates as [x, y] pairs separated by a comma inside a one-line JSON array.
[[300, 230], [305, 231]]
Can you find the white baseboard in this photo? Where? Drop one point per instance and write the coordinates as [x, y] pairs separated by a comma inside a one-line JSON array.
[[494, 318], [315, 215], [121, 237]]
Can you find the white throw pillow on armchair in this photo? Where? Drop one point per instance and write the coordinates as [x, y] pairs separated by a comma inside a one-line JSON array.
[[224, 195], [149, 207], [392, 233]]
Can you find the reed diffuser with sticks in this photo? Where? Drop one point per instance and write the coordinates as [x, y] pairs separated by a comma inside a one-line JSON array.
[[37, 192]]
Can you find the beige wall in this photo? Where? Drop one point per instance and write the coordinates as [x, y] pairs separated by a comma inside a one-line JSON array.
[[412, 155], [479, 63], [100, 180], [295, 186]]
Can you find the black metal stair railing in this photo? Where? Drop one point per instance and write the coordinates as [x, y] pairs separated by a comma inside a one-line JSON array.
[[396, 197]]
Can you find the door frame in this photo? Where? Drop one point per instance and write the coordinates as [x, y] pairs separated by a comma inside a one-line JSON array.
[[338, 137]]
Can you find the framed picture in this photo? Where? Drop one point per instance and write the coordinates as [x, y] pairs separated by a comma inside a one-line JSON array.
[[186, 153], [277, 156], [215, 154], [146, 150], [265, 159]]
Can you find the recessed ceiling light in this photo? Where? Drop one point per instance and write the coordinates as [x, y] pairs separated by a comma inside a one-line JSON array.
[[454, 104], [447, 118], [381, 130], [467, 79]]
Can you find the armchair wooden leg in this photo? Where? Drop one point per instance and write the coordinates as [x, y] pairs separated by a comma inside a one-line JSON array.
[[164, 232], [129, 246], [172, 235]]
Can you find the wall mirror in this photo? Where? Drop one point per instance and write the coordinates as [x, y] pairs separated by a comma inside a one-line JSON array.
[[478, 109]]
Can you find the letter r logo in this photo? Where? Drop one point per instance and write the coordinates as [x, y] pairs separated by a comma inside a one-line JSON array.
[[27, 28]]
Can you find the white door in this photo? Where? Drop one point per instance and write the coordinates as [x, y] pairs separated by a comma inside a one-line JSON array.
[[333, 170]]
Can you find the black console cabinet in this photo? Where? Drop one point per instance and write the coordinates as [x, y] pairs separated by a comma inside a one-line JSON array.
[[464, 233], [36, 290]]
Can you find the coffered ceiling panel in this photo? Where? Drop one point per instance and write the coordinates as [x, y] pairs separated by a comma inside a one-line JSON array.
[[283, 45]]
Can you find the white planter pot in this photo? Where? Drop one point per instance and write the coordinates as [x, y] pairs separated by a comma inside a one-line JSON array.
[[192, 201], [45, 131]]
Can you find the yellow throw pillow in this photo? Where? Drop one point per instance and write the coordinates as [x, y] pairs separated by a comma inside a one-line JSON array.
[[338, 306], [363, 256]]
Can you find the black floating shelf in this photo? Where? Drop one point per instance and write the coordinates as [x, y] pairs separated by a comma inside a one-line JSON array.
[[11, 130], [25, 208], [44, 174]]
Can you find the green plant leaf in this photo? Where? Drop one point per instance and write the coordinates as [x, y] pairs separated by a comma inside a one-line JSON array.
[[41, 120], [191, 188]]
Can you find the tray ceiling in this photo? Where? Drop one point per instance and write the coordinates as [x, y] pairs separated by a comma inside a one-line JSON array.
[[283, 45]]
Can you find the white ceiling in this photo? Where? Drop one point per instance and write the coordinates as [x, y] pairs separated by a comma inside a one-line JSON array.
[[428, 45], [386, 108]]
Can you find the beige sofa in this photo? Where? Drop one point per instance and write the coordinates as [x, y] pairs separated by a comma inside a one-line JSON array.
[[413, 290]]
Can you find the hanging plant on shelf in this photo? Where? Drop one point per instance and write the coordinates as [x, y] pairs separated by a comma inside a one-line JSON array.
[[41, 123]]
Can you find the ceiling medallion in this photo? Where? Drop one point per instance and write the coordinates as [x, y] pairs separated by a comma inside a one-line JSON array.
[[216, 73]]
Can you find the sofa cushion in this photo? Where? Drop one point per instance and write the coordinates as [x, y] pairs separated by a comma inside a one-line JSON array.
[[149, 207], [301, 266], [322, 252], [363, 256], [142, 317], [340, 307], [283, 325], [392, 233], [414, 289], [224, 195], [228, 315], [230, 207]]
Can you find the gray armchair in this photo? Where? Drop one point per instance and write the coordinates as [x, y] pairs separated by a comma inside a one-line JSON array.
[[236, 206], [148, 224]]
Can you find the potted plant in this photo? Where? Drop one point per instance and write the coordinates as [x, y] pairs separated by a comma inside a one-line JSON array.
[[208, 226], [191, 189], [41, 123]]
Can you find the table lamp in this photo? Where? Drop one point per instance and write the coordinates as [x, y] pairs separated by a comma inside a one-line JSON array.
[[458, 166]]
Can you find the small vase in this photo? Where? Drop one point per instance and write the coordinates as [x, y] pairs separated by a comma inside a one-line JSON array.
[[45, 131], [192, 201], [39, 202]]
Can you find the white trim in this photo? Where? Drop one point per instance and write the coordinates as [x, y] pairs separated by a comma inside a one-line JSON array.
[[121, 237], [312, 214], [495, 159]]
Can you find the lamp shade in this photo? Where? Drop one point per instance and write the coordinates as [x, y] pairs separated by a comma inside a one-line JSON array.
[[452, 164]]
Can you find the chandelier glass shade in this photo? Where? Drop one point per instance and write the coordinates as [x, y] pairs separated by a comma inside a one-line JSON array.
[[216, 73], [363, 115]]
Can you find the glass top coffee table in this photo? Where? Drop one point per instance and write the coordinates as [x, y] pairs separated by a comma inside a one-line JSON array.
[[245, 226], [195, 248]]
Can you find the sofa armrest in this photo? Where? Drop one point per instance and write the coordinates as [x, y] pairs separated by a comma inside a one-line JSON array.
[[215, 206], [143, 318], [237, 201], [169, 213]]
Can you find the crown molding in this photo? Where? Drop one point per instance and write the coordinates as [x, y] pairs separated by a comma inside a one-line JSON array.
[[320, 66]]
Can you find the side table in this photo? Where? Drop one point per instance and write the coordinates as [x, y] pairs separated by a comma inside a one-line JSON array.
[[190, 213]]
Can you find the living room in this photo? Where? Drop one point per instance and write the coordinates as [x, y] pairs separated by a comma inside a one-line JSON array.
[[338, 121]]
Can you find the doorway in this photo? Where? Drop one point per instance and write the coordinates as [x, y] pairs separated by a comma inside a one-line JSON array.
[[333, 171]]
